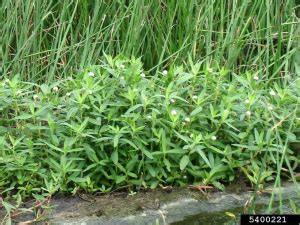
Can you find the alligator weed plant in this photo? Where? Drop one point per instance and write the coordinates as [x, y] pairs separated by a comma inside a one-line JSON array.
[[113, 125]]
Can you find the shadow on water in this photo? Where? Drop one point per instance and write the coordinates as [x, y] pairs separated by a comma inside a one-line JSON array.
[[230, 217], [208, 219]]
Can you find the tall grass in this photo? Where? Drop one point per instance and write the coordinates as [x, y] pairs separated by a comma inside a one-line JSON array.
[[44, 40]]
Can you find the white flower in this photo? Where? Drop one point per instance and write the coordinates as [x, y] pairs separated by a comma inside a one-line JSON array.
[[213, 138], [174, 112], [270, 108], [149, 117], [172, 100], [165, 72], [195, 97], [272, 93], [256, 77], [247, 101], [143, 75], [19, 92], [55, 89], [35, 97], [5, 82], [187, 119], [248, 113], [91, 74], [70, 78], [132, 193], [210, 70], [184, 177], [122, 66], [68, 94]]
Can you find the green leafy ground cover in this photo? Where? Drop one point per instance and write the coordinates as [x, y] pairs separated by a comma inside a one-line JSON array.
[[112, 125]]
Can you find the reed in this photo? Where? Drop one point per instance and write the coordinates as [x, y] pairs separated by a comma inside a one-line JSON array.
[[47, 40]]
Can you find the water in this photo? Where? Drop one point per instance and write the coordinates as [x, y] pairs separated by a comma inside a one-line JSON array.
[[231, 216]]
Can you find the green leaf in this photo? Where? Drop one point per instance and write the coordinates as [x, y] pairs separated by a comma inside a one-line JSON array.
[[203, 156], [167, 164], [23, 117], [163, 140], [116, 140], [147, 153], [83, 125], [291, 136], [8, 207], [196, 111], [218, 169], [215, 149], [71, 112], [45, 89], [36, 127], [218, 185], [184, 78], [184, 138], [53, 147], [177, 151], [115, 157], [78, 179], [151, 170], [109, 59], [133, 108], [132, 174], [184, 162], [242, 135], [154, 184], [120, 179]]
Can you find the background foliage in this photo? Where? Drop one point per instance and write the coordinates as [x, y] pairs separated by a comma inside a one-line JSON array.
[[50, 39]]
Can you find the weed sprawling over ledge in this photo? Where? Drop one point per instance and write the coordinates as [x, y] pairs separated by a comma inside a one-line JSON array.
[[112, 125]]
